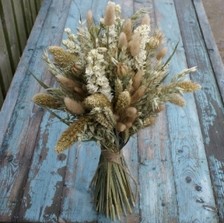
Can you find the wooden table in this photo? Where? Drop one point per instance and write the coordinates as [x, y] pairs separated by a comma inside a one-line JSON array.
[[178, 163]]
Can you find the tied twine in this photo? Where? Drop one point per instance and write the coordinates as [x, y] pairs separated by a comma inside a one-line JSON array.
[[111, 156]]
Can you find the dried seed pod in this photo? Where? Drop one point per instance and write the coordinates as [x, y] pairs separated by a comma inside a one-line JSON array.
[[130, 119], [138, 94], [79, 90], [123, 101], [66, 82], [47, 100], [149, 121], [104, 116], [75, 69], [73, 106], [134, 45], [96, 100], [120, 127], [134, 48], [128, 124], [160, 108], [127, 29], [145, 20], [137, 79], [102, 120], [89, 18], [189, 86], [176, 99], [161, 53], [109, 17], [122, 70], [70, 135], [131, 111], [159, 36], [153, 43], [122, 41], [118, 88], [62, 57]]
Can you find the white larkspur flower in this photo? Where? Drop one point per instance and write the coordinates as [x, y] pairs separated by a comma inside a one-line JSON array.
[[143, 30], [95, 74], [68, 30], [71, 46]]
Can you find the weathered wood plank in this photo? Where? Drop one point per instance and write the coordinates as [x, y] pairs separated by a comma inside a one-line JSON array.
[[44, 205], [13, 94], [43, 190], [209, 103], [214, 56], [10, 32], [191, 173], [77, 205], [5, 67], [18, 127], [20, 23], [156, 184], [157, 190], [174, 161]]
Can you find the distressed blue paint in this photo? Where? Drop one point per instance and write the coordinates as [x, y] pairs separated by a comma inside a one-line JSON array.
[[77, 204], [209, 101], [173, 173], [45, 174], [217, 170], [156, 183], [17, 138], [186, 142]]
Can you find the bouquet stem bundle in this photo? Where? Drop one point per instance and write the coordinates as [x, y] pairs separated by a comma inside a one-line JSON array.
[[112, 190]]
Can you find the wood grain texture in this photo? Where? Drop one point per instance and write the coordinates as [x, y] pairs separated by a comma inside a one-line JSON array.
[[45, 204], [209, 102], [168, 160], [157, 190], [191, 173], [20, 131], [43, 189], [213, 52]]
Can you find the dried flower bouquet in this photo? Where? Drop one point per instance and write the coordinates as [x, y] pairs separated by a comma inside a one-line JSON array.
[[111, 84]]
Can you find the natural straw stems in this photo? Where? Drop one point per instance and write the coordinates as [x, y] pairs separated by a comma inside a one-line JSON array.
[[112, 188]]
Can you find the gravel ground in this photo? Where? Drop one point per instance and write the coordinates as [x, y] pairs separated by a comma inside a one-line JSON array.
[[215, 14]]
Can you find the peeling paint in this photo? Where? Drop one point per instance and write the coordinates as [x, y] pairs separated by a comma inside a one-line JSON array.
[[217, 169]]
